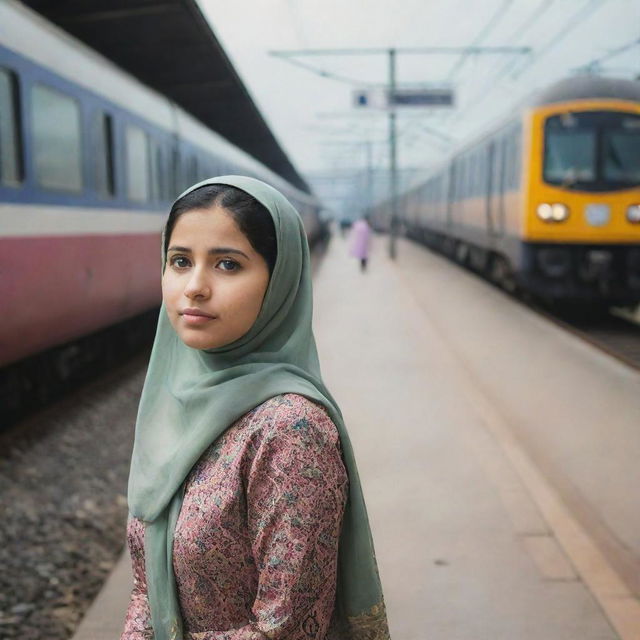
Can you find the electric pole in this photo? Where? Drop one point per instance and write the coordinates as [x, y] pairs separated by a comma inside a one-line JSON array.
[[393, 159], [392, 98]]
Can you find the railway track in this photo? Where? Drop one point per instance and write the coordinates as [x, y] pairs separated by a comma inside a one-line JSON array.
[[617, 333], [63, 484]]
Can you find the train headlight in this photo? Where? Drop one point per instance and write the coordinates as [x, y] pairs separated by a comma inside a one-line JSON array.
[[544, 211], [633, 213], [559, 212], [556, 212]]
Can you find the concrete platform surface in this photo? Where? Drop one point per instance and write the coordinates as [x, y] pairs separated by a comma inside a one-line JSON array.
[[498, 456]]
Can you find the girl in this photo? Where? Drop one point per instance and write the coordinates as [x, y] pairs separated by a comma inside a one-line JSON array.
[[247, 517]]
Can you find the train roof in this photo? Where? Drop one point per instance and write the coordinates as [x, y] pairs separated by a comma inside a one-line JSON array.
[[587, 87], [170, 47]]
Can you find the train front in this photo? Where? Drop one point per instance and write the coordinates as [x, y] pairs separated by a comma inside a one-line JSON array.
[[582, 221]]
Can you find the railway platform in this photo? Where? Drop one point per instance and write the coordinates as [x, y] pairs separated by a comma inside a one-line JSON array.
[[498, 455]]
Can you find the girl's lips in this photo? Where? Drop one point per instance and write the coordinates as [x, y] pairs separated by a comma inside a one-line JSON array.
[[192, 318]]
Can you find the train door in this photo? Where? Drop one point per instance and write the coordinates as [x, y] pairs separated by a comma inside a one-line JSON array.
[[500, 179], [489, 189], [451, 194], [495, 188], [175, 173]]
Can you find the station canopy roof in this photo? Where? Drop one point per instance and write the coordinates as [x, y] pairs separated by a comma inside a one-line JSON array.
[[169, 46]]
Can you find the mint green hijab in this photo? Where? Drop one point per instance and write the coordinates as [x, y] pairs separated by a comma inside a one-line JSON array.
[[192, 396]]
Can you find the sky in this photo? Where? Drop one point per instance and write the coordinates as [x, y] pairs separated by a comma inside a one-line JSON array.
[[331, 142]]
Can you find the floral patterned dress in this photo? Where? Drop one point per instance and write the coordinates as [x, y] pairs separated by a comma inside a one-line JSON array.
[[256, 542]]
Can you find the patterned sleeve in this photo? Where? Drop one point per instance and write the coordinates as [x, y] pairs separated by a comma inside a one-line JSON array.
[[295, 498], [137, 624], [296, 493]]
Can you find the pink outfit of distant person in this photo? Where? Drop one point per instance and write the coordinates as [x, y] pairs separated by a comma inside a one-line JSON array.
[[360, 239]]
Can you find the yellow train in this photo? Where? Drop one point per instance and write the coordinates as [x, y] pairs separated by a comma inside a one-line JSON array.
[[549, 201]]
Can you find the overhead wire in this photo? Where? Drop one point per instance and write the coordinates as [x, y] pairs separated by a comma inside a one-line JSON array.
[[570, 25], [486, 30], [480, 95], [489, 26], [575, 19], [323, 73], [610, 54]]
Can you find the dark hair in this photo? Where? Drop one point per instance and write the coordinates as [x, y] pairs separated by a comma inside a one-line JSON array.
[[251, 216]]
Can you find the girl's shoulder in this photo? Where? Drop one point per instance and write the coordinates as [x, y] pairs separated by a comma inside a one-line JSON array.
[[289, 426], [293, 415]]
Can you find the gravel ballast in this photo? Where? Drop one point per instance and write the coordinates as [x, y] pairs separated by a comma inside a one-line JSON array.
[[63, 480]]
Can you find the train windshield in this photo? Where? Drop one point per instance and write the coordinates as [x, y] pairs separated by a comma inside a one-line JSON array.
[[592, 150]]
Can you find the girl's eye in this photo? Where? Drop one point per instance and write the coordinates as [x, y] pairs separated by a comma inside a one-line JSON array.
[[229, 265], [179, 261]]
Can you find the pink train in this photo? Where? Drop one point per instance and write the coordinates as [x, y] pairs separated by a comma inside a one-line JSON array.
[[90, 160]]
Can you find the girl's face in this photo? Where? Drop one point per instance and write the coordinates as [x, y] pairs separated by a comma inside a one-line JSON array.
[[214, 281]]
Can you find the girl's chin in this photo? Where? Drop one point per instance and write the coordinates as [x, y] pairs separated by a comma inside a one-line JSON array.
[[198, 342]]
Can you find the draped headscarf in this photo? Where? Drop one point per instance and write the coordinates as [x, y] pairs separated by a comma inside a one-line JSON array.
[[191, 396]]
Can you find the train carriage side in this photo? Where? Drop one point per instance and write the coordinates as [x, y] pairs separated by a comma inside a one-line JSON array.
[[90, 160], [71, 220], [550, 201], [471, 206]]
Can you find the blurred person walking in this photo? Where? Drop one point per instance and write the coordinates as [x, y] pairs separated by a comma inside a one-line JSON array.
[[361, 241]]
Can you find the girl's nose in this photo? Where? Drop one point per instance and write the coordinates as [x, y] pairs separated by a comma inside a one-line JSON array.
[[198, 286]]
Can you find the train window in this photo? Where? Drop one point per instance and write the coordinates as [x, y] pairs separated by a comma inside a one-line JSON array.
[[167, 175], [481, 163], [467, 177], [621, 151], [512, 159], [137, 148], [517, 156], [485, 168], [462, 177], [569, 152], [155, 168], [203, 171], [192, 171], [455, 179], [175, 172], [472, 171], [57, 139], [494, 165], [11, 173], [166, 181], [163, 174], [105, 181], [502, 171], [450, 193]]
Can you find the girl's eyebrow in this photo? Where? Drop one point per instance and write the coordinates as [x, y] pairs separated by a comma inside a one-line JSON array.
[[212, 251]]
